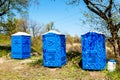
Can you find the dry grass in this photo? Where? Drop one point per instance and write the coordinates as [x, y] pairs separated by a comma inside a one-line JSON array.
[[74, 47], [12, 69]]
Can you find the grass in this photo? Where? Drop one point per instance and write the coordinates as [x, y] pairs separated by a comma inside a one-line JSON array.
[[4, 50], [37, 62], [33, 69], [70, 71], [4, 45], [37, 45], [4, 39]]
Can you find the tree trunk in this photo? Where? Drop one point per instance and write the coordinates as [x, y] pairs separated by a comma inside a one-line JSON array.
[[116, 47], [116, 43]]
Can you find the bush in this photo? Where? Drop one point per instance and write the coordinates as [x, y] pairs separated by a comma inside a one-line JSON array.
[[37, 45], [4, 39], [4, 50]]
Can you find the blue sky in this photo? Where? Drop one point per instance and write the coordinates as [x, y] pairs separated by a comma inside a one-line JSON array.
[[66, 18]]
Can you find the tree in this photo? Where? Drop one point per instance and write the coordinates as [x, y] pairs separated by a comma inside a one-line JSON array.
[[22, 25], [49, 26], [9, 27], [69, 39], [10, 7], [76, 39], [35, 29], [109, 12]]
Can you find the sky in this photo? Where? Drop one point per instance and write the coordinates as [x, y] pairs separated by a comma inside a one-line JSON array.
[[67, 18]]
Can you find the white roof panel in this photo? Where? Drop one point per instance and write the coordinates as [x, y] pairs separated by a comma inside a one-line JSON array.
[[21, 34], [53, 31], [95, 32]]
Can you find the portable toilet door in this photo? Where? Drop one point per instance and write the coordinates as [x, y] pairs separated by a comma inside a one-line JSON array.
[[54, 49], [93, 51], [20, 45]]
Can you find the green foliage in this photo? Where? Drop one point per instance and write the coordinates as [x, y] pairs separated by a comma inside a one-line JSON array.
[[10, 7], [21, 25], [4, 50], [4, 39], [13, 26], [10, 27], [75, 58], [4, 45]]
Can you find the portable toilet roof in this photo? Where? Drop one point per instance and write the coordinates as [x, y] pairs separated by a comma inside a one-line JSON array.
[[21, 34], [93, 32], [53, 32]]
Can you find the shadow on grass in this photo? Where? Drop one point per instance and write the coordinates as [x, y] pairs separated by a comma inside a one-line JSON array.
[[4, 50], [75, 57], [7, 47], [72, 55], [38, 62], [36, 51]]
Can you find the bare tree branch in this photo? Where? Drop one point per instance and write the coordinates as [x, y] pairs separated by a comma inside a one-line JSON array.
[[98, 11], [118, 25], [87, 3], [5, 11], [94, 5], [101, 5], [109, 8], [2, 3]]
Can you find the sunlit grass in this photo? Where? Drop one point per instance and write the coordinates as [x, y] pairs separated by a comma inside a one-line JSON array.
[[4, 39]]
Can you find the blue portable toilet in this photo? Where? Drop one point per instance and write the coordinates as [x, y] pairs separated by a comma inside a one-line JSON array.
[[21, 45], [54, 49], [93, 51]]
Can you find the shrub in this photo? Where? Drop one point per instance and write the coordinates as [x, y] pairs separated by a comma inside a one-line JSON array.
[[37, 45]]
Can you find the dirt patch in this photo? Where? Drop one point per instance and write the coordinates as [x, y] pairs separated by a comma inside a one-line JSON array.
[[95, 74], [18, 67], [1, 60], [26, 61]]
